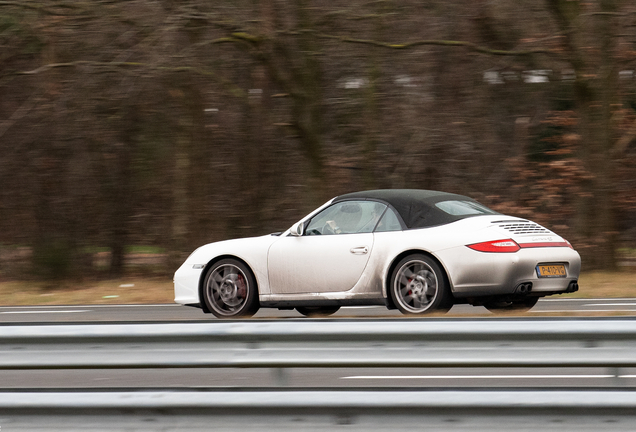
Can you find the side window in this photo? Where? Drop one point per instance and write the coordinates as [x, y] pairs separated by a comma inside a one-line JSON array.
[[389, 222], [347, 217], [463, 208]]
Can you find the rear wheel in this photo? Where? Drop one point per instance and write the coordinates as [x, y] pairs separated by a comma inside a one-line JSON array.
[[523, 305], [419, 286], [230, 290], [318, 311]]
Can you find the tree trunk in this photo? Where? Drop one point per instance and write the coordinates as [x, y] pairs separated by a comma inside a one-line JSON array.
[[596, 93]]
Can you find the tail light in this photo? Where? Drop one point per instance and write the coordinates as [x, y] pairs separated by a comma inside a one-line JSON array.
[[497, 246]]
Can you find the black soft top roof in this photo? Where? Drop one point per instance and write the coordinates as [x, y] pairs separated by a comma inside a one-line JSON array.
[[415, 206]]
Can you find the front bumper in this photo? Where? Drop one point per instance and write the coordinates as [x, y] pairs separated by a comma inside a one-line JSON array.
[[186, 284]]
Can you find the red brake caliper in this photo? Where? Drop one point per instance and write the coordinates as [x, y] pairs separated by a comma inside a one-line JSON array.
[[242, 287]]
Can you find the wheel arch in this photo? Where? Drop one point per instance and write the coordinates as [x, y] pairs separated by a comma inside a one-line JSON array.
[[207, 268], [387, 279]]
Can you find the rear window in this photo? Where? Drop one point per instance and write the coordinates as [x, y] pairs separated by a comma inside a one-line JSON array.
[[464, 208]]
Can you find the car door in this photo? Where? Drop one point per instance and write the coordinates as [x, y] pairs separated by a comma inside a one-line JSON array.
[[332, 253]]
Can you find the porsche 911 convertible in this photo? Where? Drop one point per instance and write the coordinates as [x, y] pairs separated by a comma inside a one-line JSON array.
[[415, 250]]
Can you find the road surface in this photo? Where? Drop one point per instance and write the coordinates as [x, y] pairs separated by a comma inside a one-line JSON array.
[[174, 312]]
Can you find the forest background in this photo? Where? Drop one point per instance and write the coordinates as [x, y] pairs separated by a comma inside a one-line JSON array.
[[161, 125]]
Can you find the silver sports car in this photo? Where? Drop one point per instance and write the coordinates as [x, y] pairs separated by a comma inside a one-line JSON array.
[[415, 250]]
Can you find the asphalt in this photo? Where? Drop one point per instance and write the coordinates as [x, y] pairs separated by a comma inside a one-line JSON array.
[[173, 312]]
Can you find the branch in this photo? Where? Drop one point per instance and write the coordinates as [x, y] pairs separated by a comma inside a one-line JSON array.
[[237, 37], [232, 88], [40, 7], [17, 115], [407, 45], [214, 19], [255, 40], [49, 66], [471, 46], [624, 141], [606, 14], [25, 5]]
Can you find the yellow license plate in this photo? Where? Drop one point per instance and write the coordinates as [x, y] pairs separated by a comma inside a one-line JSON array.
[[551, 270]]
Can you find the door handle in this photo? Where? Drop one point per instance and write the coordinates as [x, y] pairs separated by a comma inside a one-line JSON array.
[[360, 250]]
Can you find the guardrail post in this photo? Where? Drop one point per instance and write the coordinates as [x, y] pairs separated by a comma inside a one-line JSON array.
[[616, 373], [280, 376]]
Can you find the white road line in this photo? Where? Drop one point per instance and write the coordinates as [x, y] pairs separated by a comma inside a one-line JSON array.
[[611, 304], [175, 305], [433, 377], [45, 311], [581, 310], [585, 299], [92, 306]]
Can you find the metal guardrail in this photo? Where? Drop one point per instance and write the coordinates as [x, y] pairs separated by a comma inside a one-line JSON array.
[[259, 401], [608, 343], [319, 411], [327, 344]]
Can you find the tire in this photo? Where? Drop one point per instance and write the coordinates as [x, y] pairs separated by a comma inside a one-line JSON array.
[[230, 290], [419, 286], [318, 311], [523, 305]]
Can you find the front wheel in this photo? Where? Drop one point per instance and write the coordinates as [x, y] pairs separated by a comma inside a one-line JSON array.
[[523, 305], [419, 286], [230, 290]]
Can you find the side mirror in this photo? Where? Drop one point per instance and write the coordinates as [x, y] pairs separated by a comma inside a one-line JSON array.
[[297, 229]]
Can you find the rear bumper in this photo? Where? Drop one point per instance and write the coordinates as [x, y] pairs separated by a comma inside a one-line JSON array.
[[473, 273]]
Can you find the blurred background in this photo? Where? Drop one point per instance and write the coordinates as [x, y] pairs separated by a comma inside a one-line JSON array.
[[146, 128]]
